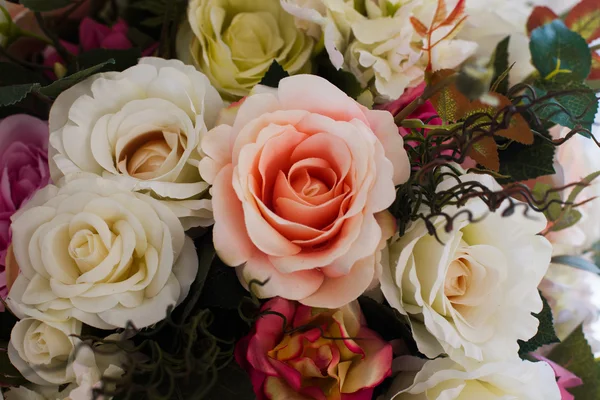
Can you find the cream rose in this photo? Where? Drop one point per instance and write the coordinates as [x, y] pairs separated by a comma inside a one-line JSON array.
[[94, 251], [234, 42], [443, 379], [301, 183], [473, 295], [42, 351], [140, 127], [88, 367], [377, 42]]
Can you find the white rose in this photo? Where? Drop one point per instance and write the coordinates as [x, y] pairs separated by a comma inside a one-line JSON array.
[[97, 252], [140, 127], [574, 160], [376, 40], [234, 42], [443, 379], [88, 369], [474, 294], [42, 351]]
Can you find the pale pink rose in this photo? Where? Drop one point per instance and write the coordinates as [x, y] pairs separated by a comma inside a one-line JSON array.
[[23, 170], [301, 183], [304, 362]]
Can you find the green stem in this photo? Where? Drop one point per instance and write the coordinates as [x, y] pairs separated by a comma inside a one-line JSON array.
[[35, 36], [418, 124], [427, 94], [595, 47]]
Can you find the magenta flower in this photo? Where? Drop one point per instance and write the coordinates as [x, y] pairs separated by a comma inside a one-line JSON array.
[[307, 360], [94, 35], [23, 171]]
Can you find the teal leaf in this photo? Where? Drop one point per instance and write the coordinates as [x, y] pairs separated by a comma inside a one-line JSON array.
[[556, 50], [577, 262]]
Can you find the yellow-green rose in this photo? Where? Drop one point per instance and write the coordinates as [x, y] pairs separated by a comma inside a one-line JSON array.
[[234, 42]]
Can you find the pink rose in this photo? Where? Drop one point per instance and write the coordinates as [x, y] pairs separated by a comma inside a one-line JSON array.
[[94, 35], [307, 360], [24, 170], [425, 112], [564, 378], [301, 183]]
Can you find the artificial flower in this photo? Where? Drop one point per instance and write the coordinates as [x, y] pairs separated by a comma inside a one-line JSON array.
[[377, 41], [295, 357], [95, 251], [574, 160], [94, 35], [472, 293], [564, 378], [572, 296], [140, 127], [444, 379], [301, 183], [42, 350], [23, 171], [88, 368], [425, 112], [234, 42]]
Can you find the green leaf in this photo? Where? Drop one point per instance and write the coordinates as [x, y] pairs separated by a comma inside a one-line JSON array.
[[13, 74], [45, 5], [343, 80], [241, 389], [59, 86], [545, 334], [575, 354], [274, 75], [222, 287], [556, 50], [581, 105], [577, 262], [569, 218], [13, 94], [206, 256], [501, 67], [553, 202], [9, 375], [123, 59], [523, 162], [585, 182]]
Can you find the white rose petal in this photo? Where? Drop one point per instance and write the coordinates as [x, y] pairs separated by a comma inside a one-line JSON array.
[[41, 351], [443, 379], [472, 296], [141, 127], [101, 254]]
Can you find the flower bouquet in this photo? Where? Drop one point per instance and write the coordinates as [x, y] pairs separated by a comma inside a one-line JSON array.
[[299, 199]]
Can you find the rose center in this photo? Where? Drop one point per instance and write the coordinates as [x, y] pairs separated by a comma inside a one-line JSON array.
[[87, 250], [457, 279], [151, 155]]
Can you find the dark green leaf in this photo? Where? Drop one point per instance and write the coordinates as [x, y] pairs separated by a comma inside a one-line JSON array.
[[580, 105], [206, 256], [123, 59], [577, 262], [222, 287], [10, 95], [274, 75], [387, 322], [59, 86], [500, 79], [14, 74], [343, 80], [45, 5], [575, 354], [523, 162], [9, 375], [545, 333], [555, 48], [232, 383]]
